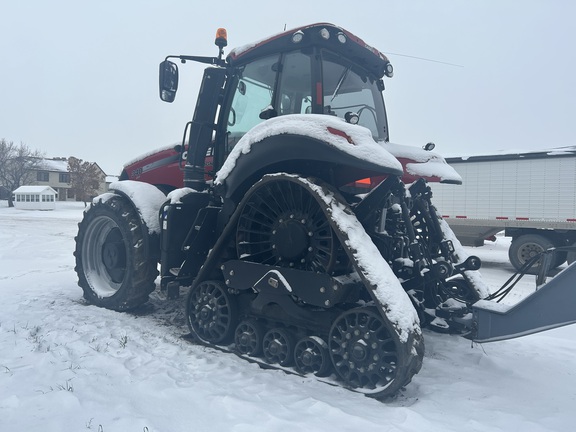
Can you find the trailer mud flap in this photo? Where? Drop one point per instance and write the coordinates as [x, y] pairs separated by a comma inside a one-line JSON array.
[[552, 305]]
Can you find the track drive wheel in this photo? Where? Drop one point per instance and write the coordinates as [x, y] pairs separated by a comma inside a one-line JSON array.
[[115, 262], [248, 337], [278, 347], [283, 224], [368, 355], [311, 356], [211, 312]]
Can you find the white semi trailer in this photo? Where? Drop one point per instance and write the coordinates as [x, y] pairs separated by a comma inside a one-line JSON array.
[[529, 196]]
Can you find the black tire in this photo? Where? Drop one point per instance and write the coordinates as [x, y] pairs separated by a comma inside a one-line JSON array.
[[114, 261], [524, 247]]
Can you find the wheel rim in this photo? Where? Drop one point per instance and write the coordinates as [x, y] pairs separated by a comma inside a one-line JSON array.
[[248, 338], [311, 356], [282, 224], [363, 350], [277, 347], [211, 312], [529, 251], [104, 256]]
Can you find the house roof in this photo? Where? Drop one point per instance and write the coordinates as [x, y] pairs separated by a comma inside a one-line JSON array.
[[34, 189], [53, 165]]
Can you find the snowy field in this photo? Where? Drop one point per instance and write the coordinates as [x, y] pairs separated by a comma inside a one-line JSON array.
[[68, 366]]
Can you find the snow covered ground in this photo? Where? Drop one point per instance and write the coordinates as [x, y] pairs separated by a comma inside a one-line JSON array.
[[69, 366]]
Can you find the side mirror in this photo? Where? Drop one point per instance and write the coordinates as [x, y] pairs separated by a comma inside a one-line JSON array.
[[168, 80]]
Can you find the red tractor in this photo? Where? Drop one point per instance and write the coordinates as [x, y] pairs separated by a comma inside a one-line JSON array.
[[300, 234]]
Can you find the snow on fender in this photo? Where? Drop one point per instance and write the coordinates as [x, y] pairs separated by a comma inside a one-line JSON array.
[[146, 198]]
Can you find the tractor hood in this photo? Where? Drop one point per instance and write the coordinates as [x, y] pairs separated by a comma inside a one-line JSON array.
[[353, 140]]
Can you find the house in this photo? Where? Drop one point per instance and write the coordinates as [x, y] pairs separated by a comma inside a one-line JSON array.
[[35, 198], [54, 173]]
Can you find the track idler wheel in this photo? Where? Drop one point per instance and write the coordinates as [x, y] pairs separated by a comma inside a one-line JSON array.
[[364, 351], [248, 337], [311, 356], [278, 347], [211, 312]]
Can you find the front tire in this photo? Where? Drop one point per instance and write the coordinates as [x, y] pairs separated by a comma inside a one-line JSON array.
[[113, 261]]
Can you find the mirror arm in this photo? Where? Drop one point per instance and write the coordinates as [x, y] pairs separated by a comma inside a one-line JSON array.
[[200, 59]]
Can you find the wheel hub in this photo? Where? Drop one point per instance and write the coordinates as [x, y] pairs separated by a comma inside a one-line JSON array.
[[274, 347], [110, 255], [360, 351], [290, 239], [283, 224], [113, 255], [206, 313], [308, 357], [245, 338]]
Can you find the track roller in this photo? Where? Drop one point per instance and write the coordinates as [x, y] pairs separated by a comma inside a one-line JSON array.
[[278, 347], [248, 337], [311, 356]]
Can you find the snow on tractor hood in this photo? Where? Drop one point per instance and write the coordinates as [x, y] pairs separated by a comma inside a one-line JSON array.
[[421, 163], [354, 140]]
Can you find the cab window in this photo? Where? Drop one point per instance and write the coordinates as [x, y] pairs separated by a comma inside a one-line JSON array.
[[295, 84], [348, 88], [253, 96]]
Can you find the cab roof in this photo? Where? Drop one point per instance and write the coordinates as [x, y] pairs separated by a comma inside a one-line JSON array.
[[323, 35]]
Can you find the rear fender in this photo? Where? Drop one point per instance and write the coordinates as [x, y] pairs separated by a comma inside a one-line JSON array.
[[145, 198], [296, 154]]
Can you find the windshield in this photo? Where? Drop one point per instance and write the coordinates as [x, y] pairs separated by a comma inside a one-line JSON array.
[[348, 88]]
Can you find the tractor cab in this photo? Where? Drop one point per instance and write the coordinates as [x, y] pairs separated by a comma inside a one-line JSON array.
[[316, 69]]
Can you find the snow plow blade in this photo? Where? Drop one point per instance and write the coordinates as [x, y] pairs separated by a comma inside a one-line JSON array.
[[552, 305]]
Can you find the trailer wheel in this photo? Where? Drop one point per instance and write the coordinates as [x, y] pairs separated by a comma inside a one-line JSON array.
[[524, 247], [115, 266]]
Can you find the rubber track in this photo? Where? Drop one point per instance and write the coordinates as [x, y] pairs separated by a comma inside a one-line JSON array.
[[331, 380], [410, 353]]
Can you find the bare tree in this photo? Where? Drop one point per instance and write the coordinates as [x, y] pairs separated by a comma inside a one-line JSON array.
[[84, 179], [18, 164]]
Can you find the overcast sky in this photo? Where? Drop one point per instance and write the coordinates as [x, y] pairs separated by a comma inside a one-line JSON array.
[[80, 78]]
